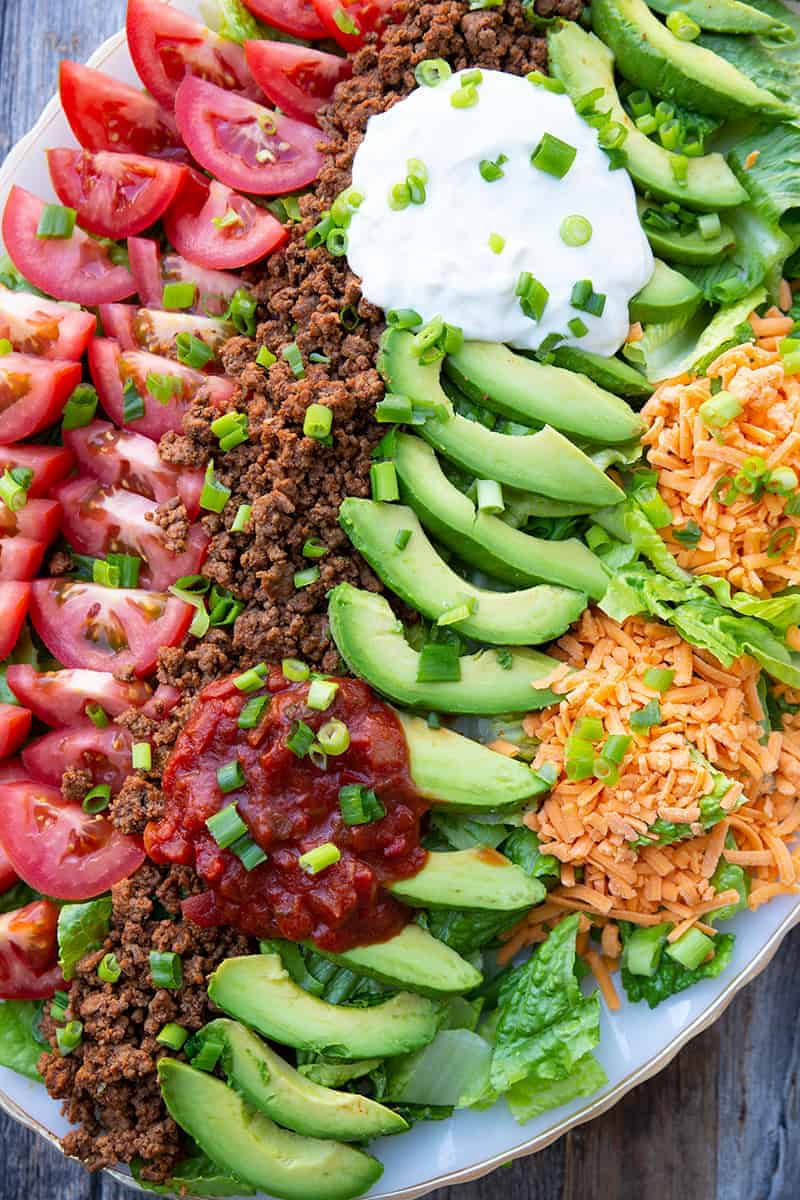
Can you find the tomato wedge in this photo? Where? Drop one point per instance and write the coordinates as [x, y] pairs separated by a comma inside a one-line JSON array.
[[60, 697], [111, 369], [50, 464], [292, 16], [14, 601], [155, 330], [114, 195], [348, 20], [75, 268], [244, 144], [130, 460], [20, 558], [15, 725], [104, 753], [39, 519], [245, 232], [42, 327], [167, 44], [59, 849], [297, 79], [152, 271], [29, 952], [99, 519], [33, 392], [106, 629], [8, 876], [106, 114]]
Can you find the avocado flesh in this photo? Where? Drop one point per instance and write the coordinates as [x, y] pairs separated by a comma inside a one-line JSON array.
[[370, 640], [411, 959], [611, 373], [650, 56], [665, 297], [583, 63], [544, 462], [476, 878], [257, 990], [689, 248], [267, 1082], [483, 540], [421, 577], [462, 775], [725, 16], [254, 1149], [537, 394]]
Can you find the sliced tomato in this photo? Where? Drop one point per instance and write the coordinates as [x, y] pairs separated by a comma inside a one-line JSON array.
[[11, 770], [75, 268], [14, 600], [155, 330], [129, 460], [114, 195], [60, 697], [106, 629], [99, 520], [20, 558], [39, 519], [152, 271], [297, 79], [111, 370], [33, 392], [59, 849], [104, 753], [189, 225], [292, 16], [29, 952], [42, 327], [167, 44], [243, 144], [50, 464], [348, 20], [15, 725], [106, 114], [8, 876]]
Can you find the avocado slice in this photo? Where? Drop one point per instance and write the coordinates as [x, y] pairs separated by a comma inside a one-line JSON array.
[[476, 878], [482, 540], [651, 57], [689, 248], [726, 16], [464, 776], [583, 63], [370, 640], [267, 1082], [536, 394], [411, 959], [544, 462], [611, 373], [421, 577], [665, 297], [253, 1148], [258, 990]]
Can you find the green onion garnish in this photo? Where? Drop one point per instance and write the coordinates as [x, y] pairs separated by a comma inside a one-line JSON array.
[[301, 739], [575, 231], [226, 826], [681, 25], [230, 217], [585, 298], [105, 573], [294, 358], [317, 422], [533, 296], [166, 969], [97, 800], [579, 758], [393, 409], [12, 493], [230, 776], [688, 534], [497, 244], [243, 514], [242, 312], [546, 81], [207, 1056], [108, 968], [781, 541], [383, 481], [492, 170], [459, 612], [69, 1037], [192, 352], [489, 496], [658, 678], [305, 578], [336, 242], [438, 663], [295, 670], [249, 853], [231, 429], [616, 747], [680, 168], [253, 711], [321, 694], [464, 97], [173, 1036], [647, 124], [142, 756], [589, 729], [252, 680], [345, 22], [645, 717], [178, 295], [605, 770], [359, 805], [334, 737], [403, 318], [80, 408], [314, 548], [98, 716], [402, 538], [56, 221], [132, 403], [214, 495], [718, 411], [265, 357], [577, 327], [163, 387], [431, 72], [319, 859], [782, 481], [553, 156]]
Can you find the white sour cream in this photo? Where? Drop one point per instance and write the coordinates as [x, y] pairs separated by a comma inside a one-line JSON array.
[[435, 257]]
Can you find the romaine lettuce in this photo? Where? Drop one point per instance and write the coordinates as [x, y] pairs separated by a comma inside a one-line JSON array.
[[81, 928], [20, 1041]]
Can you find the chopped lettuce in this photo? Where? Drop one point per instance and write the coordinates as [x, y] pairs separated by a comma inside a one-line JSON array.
[[452, 1071], [522, 847], [532, 1096], [758, 257], [20, 1040], [771, 64], [81, 928], [773, 176], [670, 977], [461, 833], [323, 978], [726, 877], [467, 931], [195, 1176]]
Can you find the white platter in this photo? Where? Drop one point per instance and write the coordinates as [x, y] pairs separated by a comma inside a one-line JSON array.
[[635, 1043]]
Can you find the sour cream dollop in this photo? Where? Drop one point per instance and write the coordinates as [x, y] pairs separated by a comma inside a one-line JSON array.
[[436, 257]]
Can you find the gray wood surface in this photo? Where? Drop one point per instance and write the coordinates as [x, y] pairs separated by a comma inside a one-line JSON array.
[[720, 1123]]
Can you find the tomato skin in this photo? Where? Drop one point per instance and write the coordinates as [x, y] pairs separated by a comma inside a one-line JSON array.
[[29, 952], [152, 271], [15, 725], [106, 114], [33, 393], [39, 519], [189, 226], [156, 330], [166, 44], [44, 328], [14, 600], [114, 195], [225, 132], [292, 16], [106, 629], [20, 558], [50, 464], [75, 268], [297, 79], [60, 697], [57, 848], [105, 753], [8, 876], [369, 15], [11, 771], [130, 460]]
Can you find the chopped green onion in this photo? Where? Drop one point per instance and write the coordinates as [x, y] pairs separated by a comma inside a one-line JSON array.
[[345, 205], [645, 717], [464, 97], [492, 170], [664, 111], [97, 800], [318, 757], [163, 387], [230, 776], [399, 197], [497, 244], [575, 231], [317, 422], [345, 22], [13, 495], [725, 491], [242, 312], [295, 670], [265, 357], [334, 737], [781, 541], [383, 482], [577, 327], [336, 242], [142, 756], [579, 758], [173, 1036], [680, 168], [431, 72], [251, 680], [647, 124], [166, 969], [230, 217], [489, 496], [669, 134], [249, 853], [69, 1037], [231, 429], [459, 612], [301, 739], [291, 353], [98, 716], [658, 678], [643, 950], [316, 357], [690, 949], [226, 826], [178, 295], [640, 102], [243, 514], [319, 859], [393, 409], [553, 156], [547, 773], [192, 352], [305, 578], [438, 663], [546, 81], [132, 403], [585, 298], [681, 25], [606, 771], [105, 573], [709, 226], [615, 747], [589, 729], [207, 1056], [214, 495], [718, 411], [321, 694], [253, 711], [403, 318], [782, 481], [80, 408], [314, 548], [359, 805], [108, 968], [402, 538], [201, 620], [533, 295], [688, 535], [475, 76], [56, 221], [586, 103]]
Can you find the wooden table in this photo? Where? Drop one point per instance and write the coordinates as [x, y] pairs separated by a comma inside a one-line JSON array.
[[720, 1123]]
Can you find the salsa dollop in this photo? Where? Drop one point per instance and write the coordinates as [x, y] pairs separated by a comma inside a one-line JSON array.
[[290, 805]]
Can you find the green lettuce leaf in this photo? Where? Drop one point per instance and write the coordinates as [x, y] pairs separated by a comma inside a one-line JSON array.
[[773, 178], [771, 64], [670, 977], [20, 1041], [452, 1071], [81, 928], [323, 978], [468, 931], [728, 876], [758, 257], [197, 1175], [522, 847], [530, 1097]]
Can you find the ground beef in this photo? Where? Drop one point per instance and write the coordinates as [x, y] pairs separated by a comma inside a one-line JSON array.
[[136, 803]]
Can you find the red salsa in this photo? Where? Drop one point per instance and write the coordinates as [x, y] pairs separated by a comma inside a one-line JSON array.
[[290, 805]]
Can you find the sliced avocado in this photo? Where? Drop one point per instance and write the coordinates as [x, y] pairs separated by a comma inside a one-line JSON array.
[[726, 16], [476, 878], [421, 577], [583, 63], [650, 56], [412, 959], [537, 394], [690, 248], [258, 990], [451, 770], [249, 1145], [544, 462], [370, 640], [666, 296], [268, 1083], [611, 373]]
